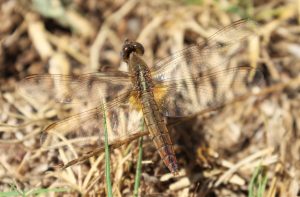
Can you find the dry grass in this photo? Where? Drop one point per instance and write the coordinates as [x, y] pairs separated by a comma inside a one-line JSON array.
[[218, 153]]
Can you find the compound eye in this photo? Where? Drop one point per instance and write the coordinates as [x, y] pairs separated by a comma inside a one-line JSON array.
[[139, 48], [125, 53]]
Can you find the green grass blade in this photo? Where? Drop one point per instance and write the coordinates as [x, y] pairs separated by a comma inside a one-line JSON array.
[[258, 182], [138, 166], [251, 187], [11, 193], [107, 157], [36, 192], [14, 191], [262, 185], [42, 191]]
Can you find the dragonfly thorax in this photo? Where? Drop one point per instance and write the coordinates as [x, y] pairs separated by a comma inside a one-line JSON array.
[[142, 79]]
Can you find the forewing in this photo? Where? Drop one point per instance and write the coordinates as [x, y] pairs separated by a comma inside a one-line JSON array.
[[202, 56], [82, 133], [92, 88]]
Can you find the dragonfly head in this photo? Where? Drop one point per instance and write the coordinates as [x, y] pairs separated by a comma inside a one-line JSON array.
[[130, 47]]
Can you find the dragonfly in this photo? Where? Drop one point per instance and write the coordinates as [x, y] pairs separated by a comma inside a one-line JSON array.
[[138, 102]]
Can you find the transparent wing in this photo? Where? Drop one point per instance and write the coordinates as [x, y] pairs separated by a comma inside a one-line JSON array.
[[209, 89], [93, 87], [199, 57], [199, 76], [81, 133]]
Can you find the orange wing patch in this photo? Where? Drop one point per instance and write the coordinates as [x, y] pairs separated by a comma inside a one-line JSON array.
[[159, 92], [134, 101]]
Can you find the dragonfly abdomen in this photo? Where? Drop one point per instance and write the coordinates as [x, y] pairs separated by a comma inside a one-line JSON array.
[[158, 131]]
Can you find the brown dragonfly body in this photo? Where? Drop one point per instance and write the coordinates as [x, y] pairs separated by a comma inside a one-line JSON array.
[[190, 81], [144, 96]]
